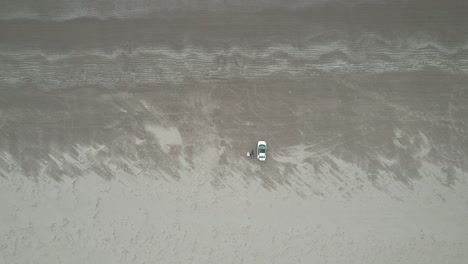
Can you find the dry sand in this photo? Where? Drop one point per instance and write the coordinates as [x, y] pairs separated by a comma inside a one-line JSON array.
[[124, 128]]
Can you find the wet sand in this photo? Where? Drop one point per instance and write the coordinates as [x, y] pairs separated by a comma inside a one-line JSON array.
[[123, 132]]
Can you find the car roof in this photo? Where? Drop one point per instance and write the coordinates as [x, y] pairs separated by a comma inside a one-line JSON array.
[[261, 143]]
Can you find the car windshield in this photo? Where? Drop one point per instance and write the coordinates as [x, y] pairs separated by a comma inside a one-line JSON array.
[[261, 149]]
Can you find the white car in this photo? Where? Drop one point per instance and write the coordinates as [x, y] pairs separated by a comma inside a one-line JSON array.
[[261, 150]]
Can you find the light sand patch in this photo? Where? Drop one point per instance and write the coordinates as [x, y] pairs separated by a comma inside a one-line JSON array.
[[166, 136]]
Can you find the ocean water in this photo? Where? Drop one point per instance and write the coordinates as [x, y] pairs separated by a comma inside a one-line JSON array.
[[61, 44]]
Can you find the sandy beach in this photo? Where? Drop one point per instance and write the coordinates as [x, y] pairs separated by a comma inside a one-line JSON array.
[[124, 129]]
